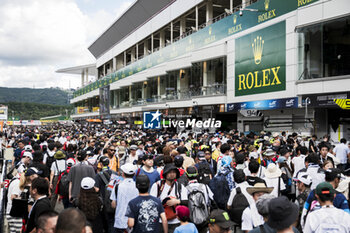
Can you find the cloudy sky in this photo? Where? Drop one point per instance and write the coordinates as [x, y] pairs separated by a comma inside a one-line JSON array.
[[38, 37]]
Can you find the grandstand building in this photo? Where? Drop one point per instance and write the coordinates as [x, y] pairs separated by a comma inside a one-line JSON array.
[[253, 64]]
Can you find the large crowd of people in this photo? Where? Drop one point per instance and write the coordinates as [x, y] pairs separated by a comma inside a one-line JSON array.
[[111, 179]]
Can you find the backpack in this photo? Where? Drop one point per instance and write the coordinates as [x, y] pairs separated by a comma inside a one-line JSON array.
[[107, 203], [219, 187], [49, 160], [204, 173], [239, 203], [199, 211], [63, 184]]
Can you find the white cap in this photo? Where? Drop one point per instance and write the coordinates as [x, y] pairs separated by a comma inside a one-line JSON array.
[[28, 154], [254, 154], [87, 183], [70, 162], [128, 168], [28, 148], [275, 134], [303, 177]]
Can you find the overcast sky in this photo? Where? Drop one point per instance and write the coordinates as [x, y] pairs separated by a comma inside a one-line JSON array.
[[38, 37]]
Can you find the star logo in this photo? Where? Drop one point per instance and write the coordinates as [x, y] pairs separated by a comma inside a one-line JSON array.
[[151, 120]]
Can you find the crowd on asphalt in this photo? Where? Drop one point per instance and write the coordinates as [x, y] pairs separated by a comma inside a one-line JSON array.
[[113, 179]]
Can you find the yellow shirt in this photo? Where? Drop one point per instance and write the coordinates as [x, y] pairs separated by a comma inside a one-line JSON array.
[[215, 155]]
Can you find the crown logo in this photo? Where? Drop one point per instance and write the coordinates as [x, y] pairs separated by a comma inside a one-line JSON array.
[[258, 46], [234, 19], [210, 31], [267, 3]]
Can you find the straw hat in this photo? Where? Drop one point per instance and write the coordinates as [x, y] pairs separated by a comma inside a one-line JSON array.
[[259, 187]]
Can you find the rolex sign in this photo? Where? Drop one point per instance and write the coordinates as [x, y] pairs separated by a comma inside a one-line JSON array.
[[260, 61]]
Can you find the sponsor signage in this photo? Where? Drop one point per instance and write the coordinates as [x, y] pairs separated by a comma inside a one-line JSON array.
[[232, 24], [264, 104], [324, 100], [260, 61]]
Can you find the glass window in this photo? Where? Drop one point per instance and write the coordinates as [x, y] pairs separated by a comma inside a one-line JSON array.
[[324, 49]]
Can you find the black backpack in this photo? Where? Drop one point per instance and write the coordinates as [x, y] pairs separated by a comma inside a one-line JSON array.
[[204, 173], [49, 161], [219, 187], [63, 184], [239, 203], [107, 203]]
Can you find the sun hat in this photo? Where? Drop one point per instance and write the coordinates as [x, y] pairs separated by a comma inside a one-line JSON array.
[[28, 154], [273, 171], [304, 178], [221, 218], [170, 167], [259, 187], [87, 183], [182, 212], [282, 213], [324, 188], [59, 155], [121, 150], [128, 169]]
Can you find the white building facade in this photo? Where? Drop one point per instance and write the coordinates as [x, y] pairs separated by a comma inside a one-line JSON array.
[[255, 65]]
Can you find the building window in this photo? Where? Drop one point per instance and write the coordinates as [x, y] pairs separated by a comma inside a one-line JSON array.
[[324, 49]]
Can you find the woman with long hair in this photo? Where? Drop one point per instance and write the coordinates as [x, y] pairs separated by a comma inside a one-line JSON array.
[[90, 204]]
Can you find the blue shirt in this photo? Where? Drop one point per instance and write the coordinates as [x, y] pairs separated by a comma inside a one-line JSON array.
[[152, 176], [339, 201], [145, 210], [188, 228]]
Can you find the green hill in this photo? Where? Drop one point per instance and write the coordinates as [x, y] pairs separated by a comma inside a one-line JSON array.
[[52, 96], [34, 111]]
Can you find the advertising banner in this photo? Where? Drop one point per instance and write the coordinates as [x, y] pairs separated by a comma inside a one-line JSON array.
[[104, 101], [264, 104], [324, 100], [232, 24], [260, 61]]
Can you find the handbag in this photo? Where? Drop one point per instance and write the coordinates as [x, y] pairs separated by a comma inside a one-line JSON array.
[[19, 208]]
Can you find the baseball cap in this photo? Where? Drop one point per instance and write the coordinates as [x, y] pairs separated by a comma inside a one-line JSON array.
[[178, 160], [221, 218], [31, 171], [28, 148], [28, 154], [303, 177], [254, 155], [324, 188], [281, 159], [128, 169], [70, 162], [332, 173], [201, 155], [121, 150], [191, 171], [182, 212], [142, 181], [133, 147], [87, 183], [104, 160]]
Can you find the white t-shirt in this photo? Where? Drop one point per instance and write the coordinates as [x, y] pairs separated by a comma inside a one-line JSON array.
[[248, 221], [327, 219], [341, 152], [244, 185], [58, 166], [299, 163], [164, 194], [274, 183], [13, 189]]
